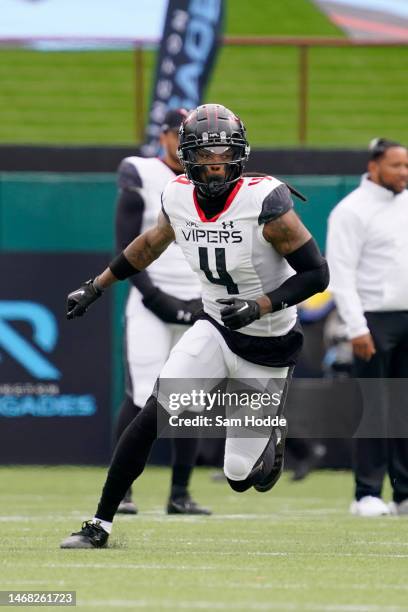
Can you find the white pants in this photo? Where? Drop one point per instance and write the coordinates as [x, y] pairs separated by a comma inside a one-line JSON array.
[[202, 353], [148, 344]]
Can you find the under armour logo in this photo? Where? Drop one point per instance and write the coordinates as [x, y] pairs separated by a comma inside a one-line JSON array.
[[244, 307], [226, 224]]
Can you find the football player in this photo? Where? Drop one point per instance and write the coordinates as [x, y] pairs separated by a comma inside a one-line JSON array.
[[256, 261], [160, 304]]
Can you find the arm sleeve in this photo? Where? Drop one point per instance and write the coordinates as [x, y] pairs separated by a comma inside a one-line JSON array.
[[344, 244], [312, 276], [129, 218], [275, 204]]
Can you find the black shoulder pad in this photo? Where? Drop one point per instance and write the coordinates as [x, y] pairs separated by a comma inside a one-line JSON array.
[[128, 176], [276, 204]]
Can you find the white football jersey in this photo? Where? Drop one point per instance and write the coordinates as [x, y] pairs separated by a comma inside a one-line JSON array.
[[171, 273], [229, 252]]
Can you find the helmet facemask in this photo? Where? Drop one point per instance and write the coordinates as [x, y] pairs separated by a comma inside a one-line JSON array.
[[200, 160]]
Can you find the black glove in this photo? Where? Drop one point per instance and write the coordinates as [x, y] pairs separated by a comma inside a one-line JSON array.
[[171, 309], [78, 301], [239, 313]]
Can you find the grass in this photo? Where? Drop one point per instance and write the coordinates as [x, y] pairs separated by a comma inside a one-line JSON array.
[[63, 97], [88, 97], [288, 18], [295, 548]]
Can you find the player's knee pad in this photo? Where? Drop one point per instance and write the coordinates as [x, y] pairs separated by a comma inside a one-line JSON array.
[[237, 467], [242, 455], [240, 472], [240, 486]]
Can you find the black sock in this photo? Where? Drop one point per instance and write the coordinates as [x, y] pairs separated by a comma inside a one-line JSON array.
[[130, 457], [184, 458], [127, 412], [180, 480]]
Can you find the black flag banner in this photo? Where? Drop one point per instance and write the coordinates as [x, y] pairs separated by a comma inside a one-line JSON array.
[[191, 37]]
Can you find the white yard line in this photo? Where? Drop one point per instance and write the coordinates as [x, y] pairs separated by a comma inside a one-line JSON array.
[[154, 566], [328, 554], [161, 517], [7, 583], [211, 605]]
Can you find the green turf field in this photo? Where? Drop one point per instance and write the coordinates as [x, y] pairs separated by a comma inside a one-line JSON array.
[[88, 97], [295, 548]]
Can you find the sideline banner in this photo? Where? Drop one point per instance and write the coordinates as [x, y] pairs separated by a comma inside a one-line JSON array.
[[187, 52], [55, 375]]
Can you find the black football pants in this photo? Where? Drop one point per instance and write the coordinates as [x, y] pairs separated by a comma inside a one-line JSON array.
[[374, 456]]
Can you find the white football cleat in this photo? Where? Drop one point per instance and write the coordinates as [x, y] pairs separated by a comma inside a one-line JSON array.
[[399, 509], [369, 506]]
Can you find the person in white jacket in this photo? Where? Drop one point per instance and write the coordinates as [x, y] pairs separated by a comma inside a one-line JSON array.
[[367, 252]]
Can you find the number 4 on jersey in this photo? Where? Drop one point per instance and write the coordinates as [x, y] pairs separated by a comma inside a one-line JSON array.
[[224, 278]]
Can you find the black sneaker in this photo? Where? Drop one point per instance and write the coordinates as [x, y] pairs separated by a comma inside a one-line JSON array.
[[127, 505], [185, 505], [92, 535], [272, 478]]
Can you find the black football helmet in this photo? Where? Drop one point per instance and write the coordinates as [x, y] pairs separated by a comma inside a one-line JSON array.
[[217, 130]]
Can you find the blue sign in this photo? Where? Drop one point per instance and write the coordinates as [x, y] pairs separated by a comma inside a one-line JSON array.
[[55, 375], [45, 334]]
